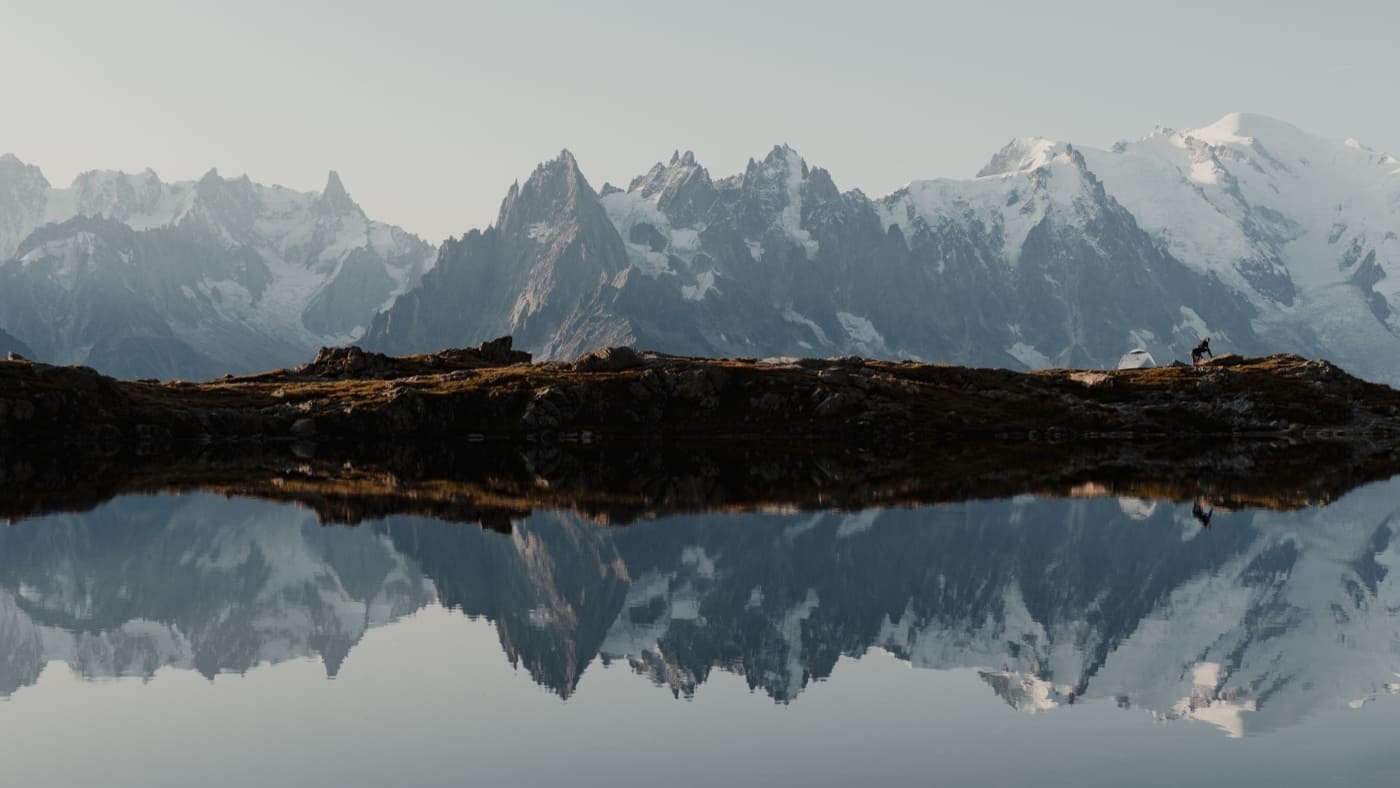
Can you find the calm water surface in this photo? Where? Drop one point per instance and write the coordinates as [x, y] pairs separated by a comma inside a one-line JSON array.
[[194, 640]]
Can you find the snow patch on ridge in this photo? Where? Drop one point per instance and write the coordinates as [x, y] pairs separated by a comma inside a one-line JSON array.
[[629, 209], [791, 217], [1029, 356], [794, 317], [862, 332], [704, 283], [1008, 204]]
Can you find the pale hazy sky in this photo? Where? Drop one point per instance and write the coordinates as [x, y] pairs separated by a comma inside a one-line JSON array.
[[430, 109]]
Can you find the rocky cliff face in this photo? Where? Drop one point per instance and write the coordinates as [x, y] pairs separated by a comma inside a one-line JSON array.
[[545, 271], [23, 198]]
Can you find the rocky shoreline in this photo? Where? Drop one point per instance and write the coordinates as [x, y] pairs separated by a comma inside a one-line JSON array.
[[481, 434], [494, 392]]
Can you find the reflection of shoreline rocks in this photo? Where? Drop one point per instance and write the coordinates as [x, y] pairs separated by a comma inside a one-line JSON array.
[[493, 482]]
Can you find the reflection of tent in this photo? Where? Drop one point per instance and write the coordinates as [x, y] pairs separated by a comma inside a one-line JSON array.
[[1137, 359]]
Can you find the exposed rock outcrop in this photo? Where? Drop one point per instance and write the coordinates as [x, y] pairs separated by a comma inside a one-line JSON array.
[[341, 363]]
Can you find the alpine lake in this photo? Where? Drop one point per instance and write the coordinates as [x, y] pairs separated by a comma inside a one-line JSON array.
[[1087, 638]]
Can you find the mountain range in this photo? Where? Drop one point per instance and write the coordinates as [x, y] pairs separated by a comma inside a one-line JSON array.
[[1248, 230], [143, 278], [1250, 625]]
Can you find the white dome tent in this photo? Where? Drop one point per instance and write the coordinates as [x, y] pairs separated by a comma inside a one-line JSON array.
[[1137, 359]]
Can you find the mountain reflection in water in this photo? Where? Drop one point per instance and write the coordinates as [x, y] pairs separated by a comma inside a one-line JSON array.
[[1250, 625]]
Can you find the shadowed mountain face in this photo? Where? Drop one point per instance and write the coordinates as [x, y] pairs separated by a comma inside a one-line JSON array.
[[1250, 624], [552, 586], [545, 270]]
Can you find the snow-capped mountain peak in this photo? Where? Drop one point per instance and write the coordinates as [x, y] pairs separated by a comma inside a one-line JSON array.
[[1020, 155], [1302, 226], [1248, 128]]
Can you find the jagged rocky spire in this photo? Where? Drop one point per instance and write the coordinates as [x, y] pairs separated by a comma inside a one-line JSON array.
[[334, 198]]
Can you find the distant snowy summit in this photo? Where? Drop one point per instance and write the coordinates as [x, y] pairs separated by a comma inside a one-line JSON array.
[[1248, 230], [137, 276]]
